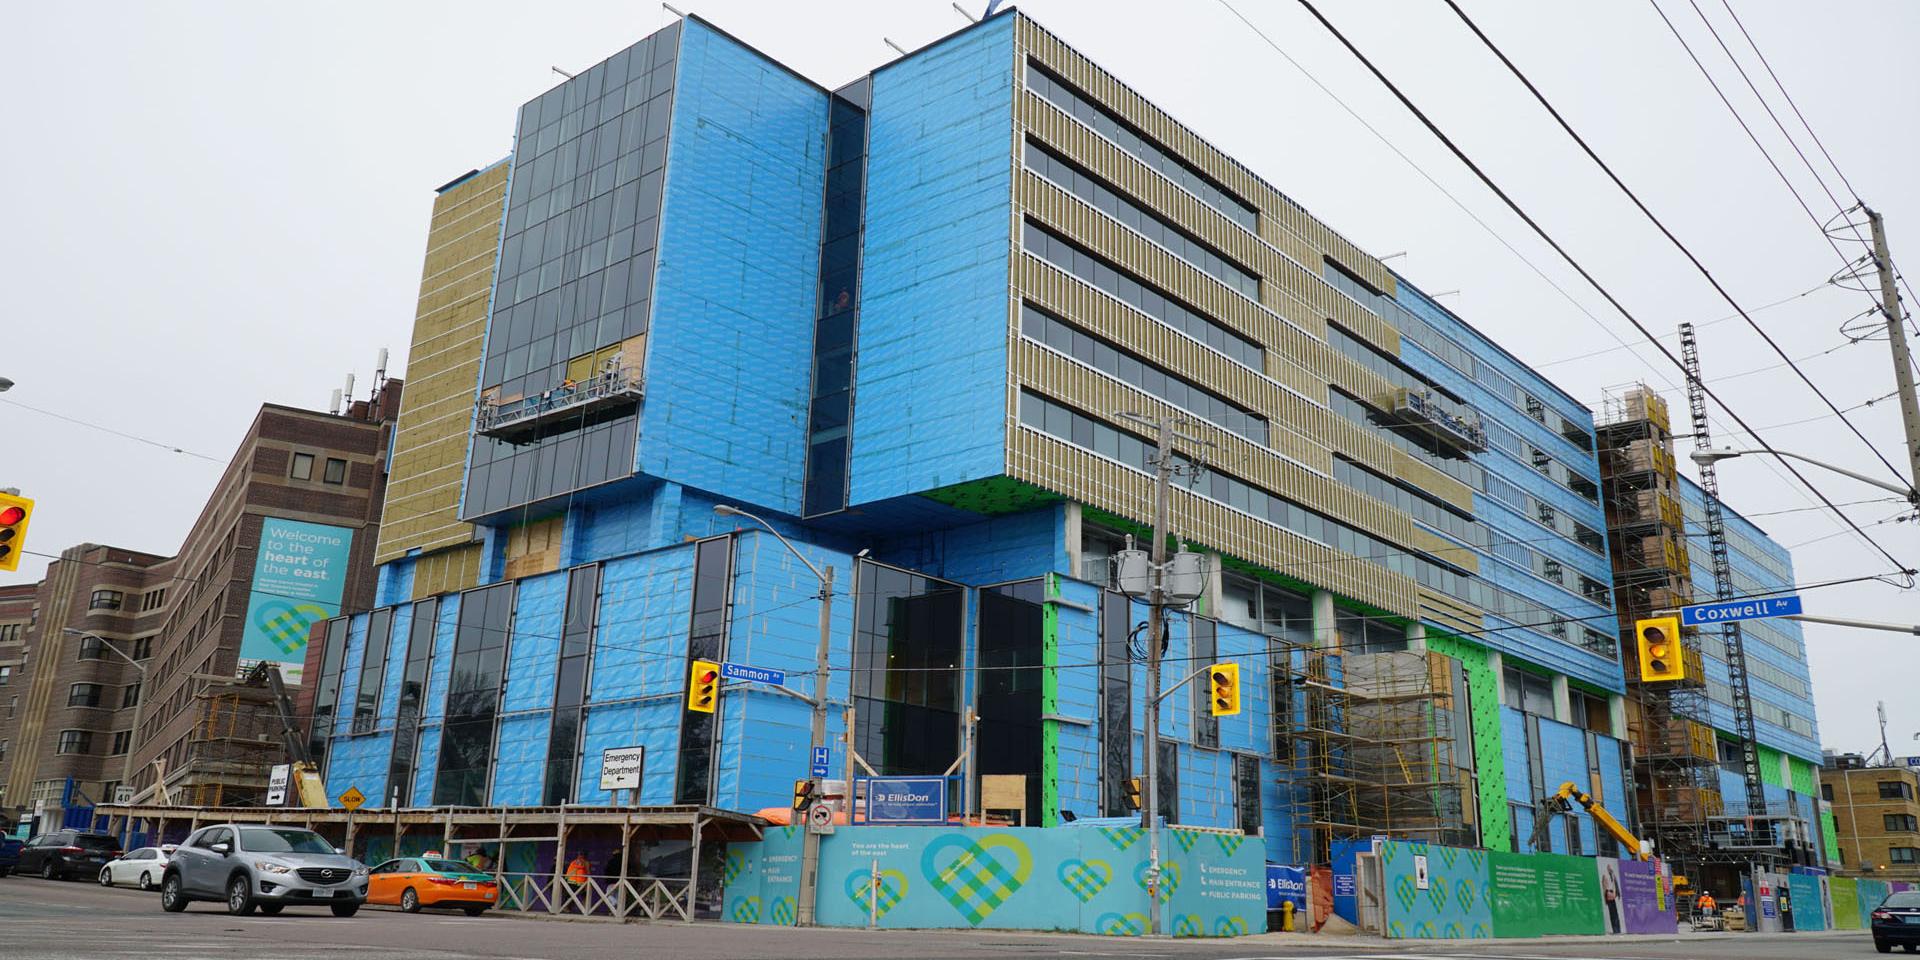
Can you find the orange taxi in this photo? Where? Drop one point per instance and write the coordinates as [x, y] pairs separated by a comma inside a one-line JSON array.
[[411, 883]]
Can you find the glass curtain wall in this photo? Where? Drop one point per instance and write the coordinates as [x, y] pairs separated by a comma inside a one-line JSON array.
[[473, 696], [706, 640], [907, 650], [413, 692], [1008, 738], [570, 686]]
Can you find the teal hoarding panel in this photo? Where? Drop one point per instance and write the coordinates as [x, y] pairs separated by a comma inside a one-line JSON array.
[[1435, 892], [299, 573], [762, 880], [1087, 879]]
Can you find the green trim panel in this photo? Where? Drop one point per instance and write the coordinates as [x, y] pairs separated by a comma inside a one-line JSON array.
[[1489, 759]]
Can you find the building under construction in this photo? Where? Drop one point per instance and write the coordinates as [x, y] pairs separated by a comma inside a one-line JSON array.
[[1373, 746], [1675, 769]]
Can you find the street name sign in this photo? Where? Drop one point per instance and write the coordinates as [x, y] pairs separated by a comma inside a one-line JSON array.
[[1701, 614], [740, 671]]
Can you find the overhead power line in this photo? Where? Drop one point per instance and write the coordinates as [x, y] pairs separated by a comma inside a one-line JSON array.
[[1578, 267], [1685, 251], [1769, 465], [105, 429]]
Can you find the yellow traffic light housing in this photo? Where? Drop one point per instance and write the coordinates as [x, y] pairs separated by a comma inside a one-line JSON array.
[[1661, 654], [14, 514], [1223, 689], [802, 794], [1133, 792], [703, 686]]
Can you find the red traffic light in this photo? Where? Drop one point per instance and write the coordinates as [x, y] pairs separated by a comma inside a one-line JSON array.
[[11, 515]]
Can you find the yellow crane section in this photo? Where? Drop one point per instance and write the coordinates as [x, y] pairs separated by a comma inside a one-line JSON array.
[[1562, 801]]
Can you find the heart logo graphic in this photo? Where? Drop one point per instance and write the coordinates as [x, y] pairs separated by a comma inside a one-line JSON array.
[[782, 912], [736, 864], [1477, 859], [1169, 879], [746, 910], [1388, 850], [1229, 926], [1229, 842], [1122, 837], [1122, 924], [1403, 891], [1396, 929], [1448, 855], [1437, 892], [1187, 925], [1085, 878], [893, 889], [976, 877], [1185, 838], [1465, 894], [1451, 931]]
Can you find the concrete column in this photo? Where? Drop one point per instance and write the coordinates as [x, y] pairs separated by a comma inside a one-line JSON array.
[[1417, 637], [1498, 664], [1070, 532], [1562, 699], [1617, 715], [1324, 633]]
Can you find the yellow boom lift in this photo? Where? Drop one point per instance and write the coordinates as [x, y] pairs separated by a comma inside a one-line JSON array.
[[1562, 801]]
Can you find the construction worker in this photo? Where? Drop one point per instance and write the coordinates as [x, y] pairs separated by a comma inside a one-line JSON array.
[[1706, 905], [578, 870]]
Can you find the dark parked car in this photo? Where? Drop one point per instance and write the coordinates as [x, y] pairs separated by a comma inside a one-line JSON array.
[[9, 854], [1897, 920], [68, 853]]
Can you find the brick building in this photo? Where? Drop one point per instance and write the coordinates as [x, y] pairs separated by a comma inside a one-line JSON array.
[[113, 641], [66, 697], [1876, 815]]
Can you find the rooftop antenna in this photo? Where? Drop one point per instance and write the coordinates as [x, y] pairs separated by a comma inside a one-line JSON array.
[[992, 5], [897, 48], [957, 8], [1443, 293], [561, 72], [1390, 256], [348, 393], [380, 369], [670, 9], [334, 407], [1886, 752]]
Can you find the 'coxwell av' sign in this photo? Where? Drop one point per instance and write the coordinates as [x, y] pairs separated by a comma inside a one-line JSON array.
[[1701, 614], [740, 671]]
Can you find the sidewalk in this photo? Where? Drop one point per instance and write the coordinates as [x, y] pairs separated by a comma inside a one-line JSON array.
[[1369, 941]]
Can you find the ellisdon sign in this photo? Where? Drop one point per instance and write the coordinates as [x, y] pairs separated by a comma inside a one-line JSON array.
[[906, 800]]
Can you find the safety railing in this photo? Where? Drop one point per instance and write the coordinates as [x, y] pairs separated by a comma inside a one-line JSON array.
[[651, 898], [503, 418]]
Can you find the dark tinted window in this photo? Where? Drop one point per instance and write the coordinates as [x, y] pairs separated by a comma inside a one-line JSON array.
[[96, 841], [1904, 900], [282, 840]]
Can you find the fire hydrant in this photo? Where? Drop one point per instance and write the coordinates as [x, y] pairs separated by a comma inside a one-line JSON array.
[[1286, 916]]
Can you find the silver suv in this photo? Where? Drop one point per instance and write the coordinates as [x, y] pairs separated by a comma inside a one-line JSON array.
[[253, 866]]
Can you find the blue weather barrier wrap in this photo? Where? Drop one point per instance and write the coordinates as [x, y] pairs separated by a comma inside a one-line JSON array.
[[1089, 880]]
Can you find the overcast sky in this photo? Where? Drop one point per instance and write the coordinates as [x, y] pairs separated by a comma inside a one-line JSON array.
[[205, 206]]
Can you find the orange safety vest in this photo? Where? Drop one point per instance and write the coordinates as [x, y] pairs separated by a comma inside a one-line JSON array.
[[1706, 902], [577, 871]]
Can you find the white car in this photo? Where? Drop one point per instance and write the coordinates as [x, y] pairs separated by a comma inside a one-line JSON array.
[[140, 868]]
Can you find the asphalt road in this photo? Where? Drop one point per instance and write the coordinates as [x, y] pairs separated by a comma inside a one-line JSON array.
[[74, 920]]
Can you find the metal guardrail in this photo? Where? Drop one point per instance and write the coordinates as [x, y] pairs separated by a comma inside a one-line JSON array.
[[651, 898]]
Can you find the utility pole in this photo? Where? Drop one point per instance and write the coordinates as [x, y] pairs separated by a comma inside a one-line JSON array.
[[1897, 337], [1156, 625], [1153, 585]]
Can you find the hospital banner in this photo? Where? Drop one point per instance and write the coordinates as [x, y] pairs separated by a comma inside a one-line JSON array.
[[299, 573]]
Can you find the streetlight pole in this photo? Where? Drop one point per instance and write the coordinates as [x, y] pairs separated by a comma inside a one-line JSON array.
[[1705, 457], [1156, 623], [810, 856], [139, 706]]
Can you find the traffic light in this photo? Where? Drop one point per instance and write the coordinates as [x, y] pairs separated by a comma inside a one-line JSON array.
[[802, 794], [1660, 650], [703, 686], [1133, 792], [14, 514], [1223, 689]]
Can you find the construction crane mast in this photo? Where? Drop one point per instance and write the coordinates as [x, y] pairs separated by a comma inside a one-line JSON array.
[[1730, 635]]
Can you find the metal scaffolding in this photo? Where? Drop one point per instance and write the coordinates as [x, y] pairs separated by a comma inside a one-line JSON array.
[[1371, 741], [1677, 788]]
